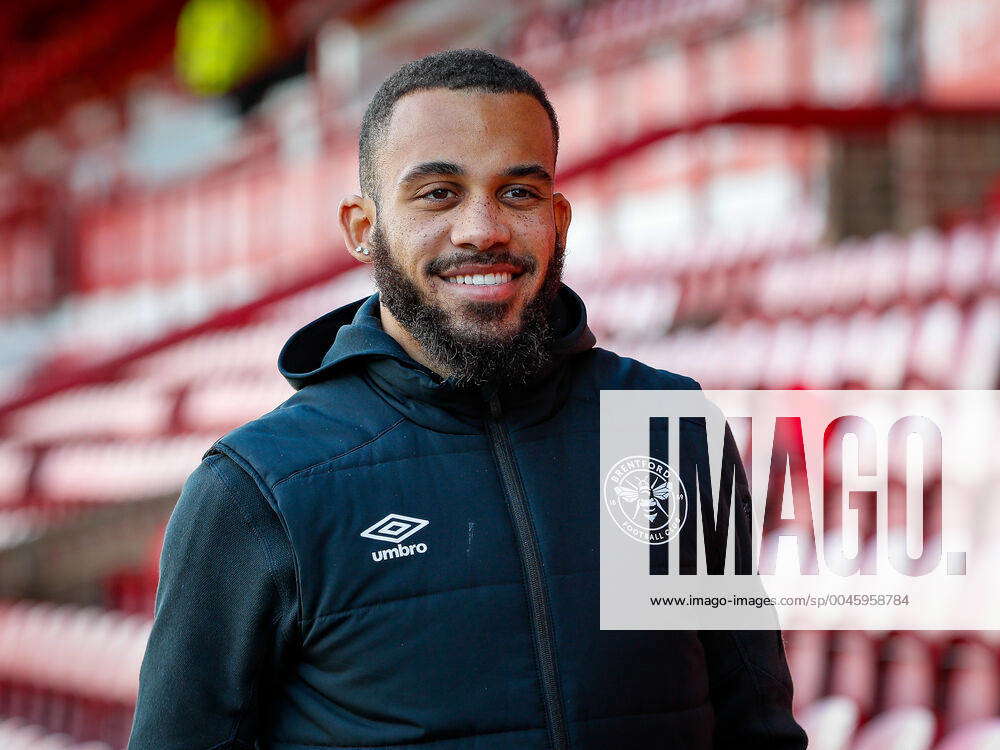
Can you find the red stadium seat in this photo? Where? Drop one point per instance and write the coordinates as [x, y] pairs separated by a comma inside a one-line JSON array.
[[972, 685], [854, 667], [15, 464], [806, 651], [909, 672]]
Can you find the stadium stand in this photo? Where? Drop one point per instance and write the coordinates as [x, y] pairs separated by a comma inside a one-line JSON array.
[[156, 329]]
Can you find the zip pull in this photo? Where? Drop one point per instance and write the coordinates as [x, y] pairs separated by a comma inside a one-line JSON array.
[[495, 410], [493, 399]]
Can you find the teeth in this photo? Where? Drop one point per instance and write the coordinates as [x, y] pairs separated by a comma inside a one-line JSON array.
[[480, 279]]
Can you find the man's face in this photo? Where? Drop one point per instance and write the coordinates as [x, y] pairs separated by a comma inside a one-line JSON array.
[[468, 229]]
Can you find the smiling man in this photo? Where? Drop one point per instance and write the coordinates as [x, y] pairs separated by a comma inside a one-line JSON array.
[[405, 552], [459, 185]]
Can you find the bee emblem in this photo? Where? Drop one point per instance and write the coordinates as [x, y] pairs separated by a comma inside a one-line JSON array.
[[646, 498]]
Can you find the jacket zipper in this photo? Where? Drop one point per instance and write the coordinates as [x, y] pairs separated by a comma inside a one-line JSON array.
[[531, 562]]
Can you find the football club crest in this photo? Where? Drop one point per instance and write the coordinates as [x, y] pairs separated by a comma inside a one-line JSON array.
[[646, 498]]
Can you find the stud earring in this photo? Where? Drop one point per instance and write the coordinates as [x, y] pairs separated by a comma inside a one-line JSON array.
[[361, 249]]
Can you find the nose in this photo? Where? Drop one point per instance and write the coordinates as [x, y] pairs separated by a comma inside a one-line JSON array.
[[480, 224]]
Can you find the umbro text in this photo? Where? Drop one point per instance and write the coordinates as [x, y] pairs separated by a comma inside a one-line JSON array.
[[400, 550]]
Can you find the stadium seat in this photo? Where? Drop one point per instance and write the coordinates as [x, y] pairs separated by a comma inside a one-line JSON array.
[[892, 340], [978, 358], [17, 526], [859, 343], [16, 734], [784, 365], [821, 364], [882, 259], [223, 403], [73, 669], [854, 667], [121, 470], [967, 262], [982, 735], [936, 343], [972, 684], [806, 652], [924, 265], [909, 728], [909, 672], [15, 464], [128, 409], [830, 723]]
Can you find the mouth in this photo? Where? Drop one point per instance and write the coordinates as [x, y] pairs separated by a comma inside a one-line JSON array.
[[492, 283]]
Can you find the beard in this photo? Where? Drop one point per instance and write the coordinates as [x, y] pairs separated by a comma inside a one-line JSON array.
[[475, 351]]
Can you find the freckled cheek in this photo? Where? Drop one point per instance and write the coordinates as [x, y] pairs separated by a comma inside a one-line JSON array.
[[534, 228], [542, 241], [416, 244]]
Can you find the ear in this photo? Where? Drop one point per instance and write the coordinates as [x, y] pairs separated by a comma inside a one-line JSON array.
[[563, 214], [357, 217]]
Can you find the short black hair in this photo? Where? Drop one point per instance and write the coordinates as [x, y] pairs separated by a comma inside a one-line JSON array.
[[452, 69]]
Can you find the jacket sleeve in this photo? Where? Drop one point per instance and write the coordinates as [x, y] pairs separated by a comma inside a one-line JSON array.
[[749, 682], [226, 616]]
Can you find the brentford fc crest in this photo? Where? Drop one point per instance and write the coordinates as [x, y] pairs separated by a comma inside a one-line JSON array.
[[646, 498]]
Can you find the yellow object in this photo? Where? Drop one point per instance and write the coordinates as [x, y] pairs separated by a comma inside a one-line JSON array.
[[219, 42]]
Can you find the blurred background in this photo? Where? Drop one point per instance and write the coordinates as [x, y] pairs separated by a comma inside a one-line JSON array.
[[766, 193]]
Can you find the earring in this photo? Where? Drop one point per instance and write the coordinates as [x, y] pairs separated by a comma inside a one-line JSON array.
[[361, 249]]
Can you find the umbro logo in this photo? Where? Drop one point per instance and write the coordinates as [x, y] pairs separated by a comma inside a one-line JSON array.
[[396, 528]]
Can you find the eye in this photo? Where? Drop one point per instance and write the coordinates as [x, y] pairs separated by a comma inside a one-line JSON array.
[[437, 194], [525, 193]]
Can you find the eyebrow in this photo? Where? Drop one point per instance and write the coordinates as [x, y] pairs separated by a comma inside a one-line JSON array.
[[435, 168]]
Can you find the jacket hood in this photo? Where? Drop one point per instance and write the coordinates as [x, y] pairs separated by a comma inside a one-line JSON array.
[[352, 334]]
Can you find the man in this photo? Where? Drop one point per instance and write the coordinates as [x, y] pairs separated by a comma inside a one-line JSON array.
[[405, 552]]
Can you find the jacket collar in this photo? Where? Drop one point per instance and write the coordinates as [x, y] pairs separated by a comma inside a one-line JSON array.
[[351, 338]]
